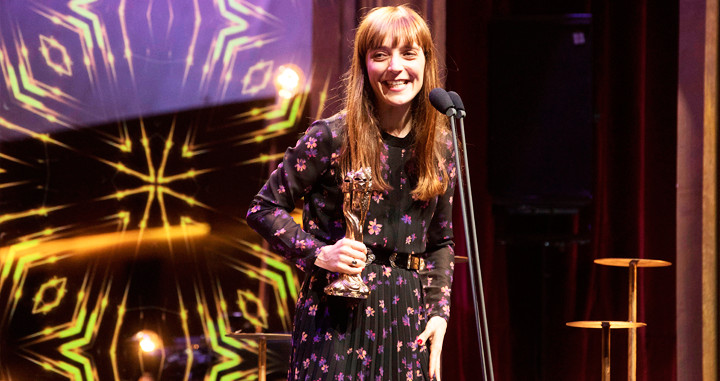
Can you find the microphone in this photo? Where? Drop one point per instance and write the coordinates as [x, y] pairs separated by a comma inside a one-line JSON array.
[[450, 104], [458, 103], [440, 99]]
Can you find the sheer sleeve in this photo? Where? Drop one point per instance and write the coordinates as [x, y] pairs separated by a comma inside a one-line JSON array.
[[440, 260], [302, 166]]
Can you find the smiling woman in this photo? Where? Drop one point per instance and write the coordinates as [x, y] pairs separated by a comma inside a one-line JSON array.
[[405, 249]]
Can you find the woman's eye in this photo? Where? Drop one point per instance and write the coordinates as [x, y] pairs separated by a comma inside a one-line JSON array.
[[410, 54], [379, 55]]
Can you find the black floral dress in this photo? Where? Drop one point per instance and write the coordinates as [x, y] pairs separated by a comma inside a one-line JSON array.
[[337, 338]]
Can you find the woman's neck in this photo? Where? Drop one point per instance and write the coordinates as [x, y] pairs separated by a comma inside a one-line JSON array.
[[396, 121]]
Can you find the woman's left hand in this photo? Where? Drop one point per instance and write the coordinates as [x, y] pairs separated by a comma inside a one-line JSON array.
[[435, 332]]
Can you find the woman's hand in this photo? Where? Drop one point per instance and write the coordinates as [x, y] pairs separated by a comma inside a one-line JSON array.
[[435, 332], [345, 256]]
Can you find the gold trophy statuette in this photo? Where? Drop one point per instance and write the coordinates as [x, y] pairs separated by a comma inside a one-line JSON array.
[[356, 201]]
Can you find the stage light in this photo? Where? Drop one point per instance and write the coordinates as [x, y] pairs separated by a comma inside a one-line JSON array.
[[148, 341], [288, 80]]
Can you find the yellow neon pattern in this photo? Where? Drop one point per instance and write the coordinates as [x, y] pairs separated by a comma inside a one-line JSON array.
[[148, 177], [55, 287]]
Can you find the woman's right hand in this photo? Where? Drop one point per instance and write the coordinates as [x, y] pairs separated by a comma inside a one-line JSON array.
[[346, 256]]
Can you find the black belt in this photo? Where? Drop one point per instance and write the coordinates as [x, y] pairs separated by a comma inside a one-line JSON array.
[[397, 260]]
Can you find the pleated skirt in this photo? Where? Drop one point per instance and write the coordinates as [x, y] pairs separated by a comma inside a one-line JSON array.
[[373, 339]]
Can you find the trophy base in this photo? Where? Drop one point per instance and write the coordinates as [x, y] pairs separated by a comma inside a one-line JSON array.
[[349, 287]]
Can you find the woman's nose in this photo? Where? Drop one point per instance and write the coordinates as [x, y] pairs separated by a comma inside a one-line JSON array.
[[395, 63]]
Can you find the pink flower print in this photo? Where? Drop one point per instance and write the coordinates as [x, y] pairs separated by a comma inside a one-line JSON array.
[[445, 290], [328, 336], [409, 376], [387, 271], [361, 353], [377, 196], [279, 232], [334, 158], [300, 165], [407, 219], [369, 311], [311, 142], [311, 152], [325, 368], [410, 311], [399, 345], [306, 363], [374, 228], [281, 189], [304, 337], [443, 301], [396, 299], [406, 320], [313, 310], [370, 334], [371, 277], [255, 208], [412, 345]]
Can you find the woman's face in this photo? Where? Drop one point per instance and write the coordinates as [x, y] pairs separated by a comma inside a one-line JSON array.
[[395, 73]]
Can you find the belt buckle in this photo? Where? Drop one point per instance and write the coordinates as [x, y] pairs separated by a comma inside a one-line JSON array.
[[413, 262], [416, 263]]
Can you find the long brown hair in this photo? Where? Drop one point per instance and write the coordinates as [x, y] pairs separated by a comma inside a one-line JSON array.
[[363, 140]]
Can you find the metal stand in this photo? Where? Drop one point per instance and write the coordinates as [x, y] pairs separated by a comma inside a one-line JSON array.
[[606, 326], [262, 339], [632, 264]]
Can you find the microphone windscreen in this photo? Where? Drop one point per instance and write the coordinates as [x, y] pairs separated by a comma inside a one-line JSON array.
[[455, 98], [440, 99]]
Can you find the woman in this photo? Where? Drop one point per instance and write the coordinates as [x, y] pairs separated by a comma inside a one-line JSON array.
[[389, 126]]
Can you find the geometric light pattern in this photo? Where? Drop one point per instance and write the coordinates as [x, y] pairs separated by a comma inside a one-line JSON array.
[[132, 136], [55, 55], [45, 303], [257, 77]]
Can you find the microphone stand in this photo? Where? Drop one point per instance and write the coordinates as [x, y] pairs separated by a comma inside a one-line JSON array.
[[471, 236]]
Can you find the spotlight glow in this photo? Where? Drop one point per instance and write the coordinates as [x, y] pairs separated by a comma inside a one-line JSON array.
[[288, 80], [148, 341]]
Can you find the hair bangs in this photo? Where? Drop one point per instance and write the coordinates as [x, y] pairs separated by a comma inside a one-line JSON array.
[[403, 28]]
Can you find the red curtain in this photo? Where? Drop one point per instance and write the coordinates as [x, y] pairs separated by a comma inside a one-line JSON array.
[[633, 209]]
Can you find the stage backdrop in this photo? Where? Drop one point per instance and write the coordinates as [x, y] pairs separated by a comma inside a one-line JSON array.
[[133, 135]]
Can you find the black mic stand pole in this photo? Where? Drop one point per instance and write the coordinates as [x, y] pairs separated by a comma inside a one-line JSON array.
[[481, 328], [474, 262]]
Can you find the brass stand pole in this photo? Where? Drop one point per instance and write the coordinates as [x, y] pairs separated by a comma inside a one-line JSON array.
[[605, 351], [262, 359], [632, 312], [606, 327]]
